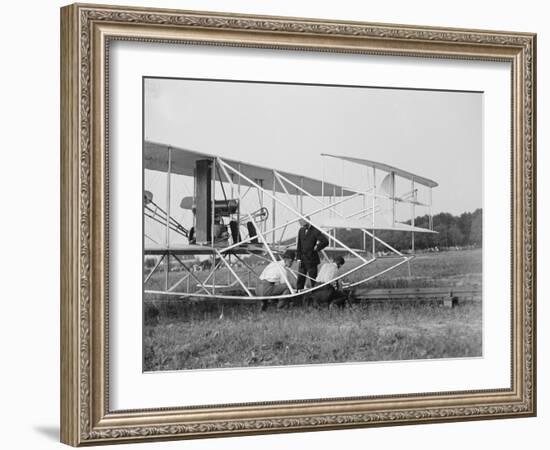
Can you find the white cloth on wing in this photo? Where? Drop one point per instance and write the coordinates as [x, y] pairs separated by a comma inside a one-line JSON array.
[[275, 272]]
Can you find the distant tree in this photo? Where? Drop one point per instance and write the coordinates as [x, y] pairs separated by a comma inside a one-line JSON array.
[[441, 239], [352, 238], [465, 224], [465, 229], [455, 235]]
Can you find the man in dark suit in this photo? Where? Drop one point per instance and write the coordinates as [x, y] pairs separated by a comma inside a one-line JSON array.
[[310, 242]]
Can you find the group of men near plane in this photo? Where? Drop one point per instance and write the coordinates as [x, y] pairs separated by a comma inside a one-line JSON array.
[[274, 278]]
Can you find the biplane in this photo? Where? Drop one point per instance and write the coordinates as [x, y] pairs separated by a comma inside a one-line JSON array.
[[239, 216]]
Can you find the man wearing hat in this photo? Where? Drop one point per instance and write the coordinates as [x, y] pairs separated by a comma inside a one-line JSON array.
[[273, 280]]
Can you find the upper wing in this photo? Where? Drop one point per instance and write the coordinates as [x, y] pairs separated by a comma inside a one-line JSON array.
[[183, 163], [387, 168]]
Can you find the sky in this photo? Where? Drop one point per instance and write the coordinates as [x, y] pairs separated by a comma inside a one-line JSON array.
[[434, 134]]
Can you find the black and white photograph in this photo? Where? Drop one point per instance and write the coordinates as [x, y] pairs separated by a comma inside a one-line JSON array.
[[243, 225], [295, 224]]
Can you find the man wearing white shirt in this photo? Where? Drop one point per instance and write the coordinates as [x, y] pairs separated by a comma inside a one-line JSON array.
[[327, 273], [274, 279]]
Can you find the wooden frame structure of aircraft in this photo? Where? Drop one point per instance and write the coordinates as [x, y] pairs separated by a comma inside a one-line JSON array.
[[249, 239]]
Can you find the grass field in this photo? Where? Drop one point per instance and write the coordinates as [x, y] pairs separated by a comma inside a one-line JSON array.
[[187, 335]]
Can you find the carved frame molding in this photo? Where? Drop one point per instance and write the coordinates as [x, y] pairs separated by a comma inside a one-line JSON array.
[[86, 31]]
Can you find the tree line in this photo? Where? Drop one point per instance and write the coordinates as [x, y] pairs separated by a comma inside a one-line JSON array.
[[452, 231]]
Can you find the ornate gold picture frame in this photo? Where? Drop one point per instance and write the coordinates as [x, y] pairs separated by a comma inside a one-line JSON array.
[[87, 32]]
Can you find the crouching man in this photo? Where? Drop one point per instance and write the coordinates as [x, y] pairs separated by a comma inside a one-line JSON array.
[[331, 293], [273, 280]]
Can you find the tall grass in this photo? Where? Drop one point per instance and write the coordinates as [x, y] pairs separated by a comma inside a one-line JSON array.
[[307, 336], [187, 334]]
